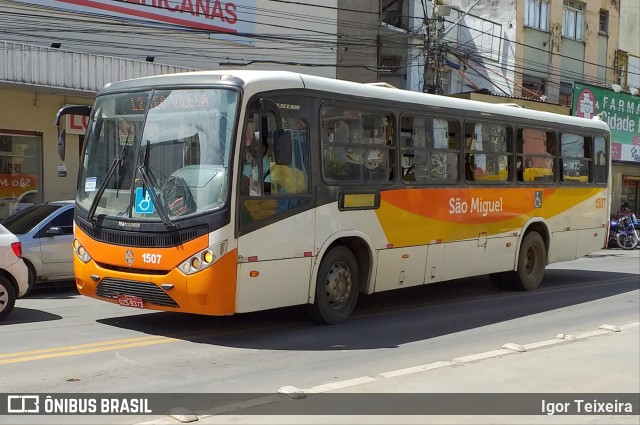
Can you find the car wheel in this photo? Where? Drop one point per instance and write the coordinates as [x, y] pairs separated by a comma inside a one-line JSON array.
[[7, 297], [32, 278]]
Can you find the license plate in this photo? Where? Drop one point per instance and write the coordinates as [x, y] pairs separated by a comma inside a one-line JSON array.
[[130, 301]]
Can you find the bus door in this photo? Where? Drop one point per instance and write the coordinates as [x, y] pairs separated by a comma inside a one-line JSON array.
[[276, 221]]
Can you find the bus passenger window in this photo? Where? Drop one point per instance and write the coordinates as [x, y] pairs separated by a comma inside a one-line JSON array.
[[429, 151], [358, 146], [535, 153], [576, 152]]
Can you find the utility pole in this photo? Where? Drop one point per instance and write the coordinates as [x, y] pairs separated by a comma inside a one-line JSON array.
[[435, 50]]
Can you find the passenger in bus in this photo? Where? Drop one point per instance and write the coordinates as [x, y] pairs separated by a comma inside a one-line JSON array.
[[469, 167], [520, 170], [250, 168]]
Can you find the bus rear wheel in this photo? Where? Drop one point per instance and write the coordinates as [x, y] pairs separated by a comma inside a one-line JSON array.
[[337, 287], [531, 262]]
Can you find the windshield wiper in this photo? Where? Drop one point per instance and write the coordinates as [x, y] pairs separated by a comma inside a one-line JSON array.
[[117, 162], [148, 181]]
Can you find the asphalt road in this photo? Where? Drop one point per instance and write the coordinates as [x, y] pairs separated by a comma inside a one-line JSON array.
[[60, 342]]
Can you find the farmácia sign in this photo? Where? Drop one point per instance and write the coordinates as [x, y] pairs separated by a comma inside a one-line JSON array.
[[620, 110]]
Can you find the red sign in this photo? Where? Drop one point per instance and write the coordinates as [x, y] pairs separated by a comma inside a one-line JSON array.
[[76, 124]]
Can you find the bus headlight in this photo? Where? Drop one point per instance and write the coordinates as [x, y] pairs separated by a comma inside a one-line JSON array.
[[82, 253], [204, 258]]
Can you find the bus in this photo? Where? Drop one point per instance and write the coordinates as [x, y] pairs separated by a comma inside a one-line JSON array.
[[224, 192]]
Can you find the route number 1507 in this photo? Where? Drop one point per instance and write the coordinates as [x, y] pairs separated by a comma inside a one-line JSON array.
[[151, 258]]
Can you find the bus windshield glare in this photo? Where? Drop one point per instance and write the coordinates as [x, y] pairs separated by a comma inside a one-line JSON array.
[[158, 154]]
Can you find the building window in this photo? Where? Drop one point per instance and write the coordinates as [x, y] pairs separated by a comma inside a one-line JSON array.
[[566, 91], [536, 14], [573, 26], [603, 25], [532, 86], [20, 170], [393, 13]]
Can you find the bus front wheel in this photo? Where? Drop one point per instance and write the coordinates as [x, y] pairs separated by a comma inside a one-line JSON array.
[[531, 262], [337, 287]]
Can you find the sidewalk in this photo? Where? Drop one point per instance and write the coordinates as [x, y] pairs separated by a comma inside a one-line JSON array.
[[604, 360]]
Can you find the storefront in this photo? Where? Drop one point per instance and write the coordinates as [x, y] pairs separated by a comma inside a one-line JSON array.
[[20, 169], [622, 112], [626, 178]]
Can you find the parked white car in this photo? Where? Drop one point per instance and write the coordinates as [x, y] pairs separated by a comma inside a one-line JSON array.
[[14, 276], [46, 233]]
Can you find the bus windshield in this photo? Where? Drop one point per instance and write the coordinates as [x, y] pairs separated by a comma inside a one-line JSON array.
[[158, 154]]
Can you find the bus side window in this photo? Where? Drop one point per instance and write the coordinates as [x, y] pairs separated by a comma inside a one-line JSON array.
[[535, 155]]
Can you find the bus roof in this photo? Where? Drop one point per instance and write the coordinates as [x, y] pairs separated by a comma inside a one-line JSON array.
[[254, 81]]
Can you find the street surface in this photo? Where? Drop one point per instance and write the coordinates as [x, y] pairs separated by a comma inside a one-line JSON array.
[[442, 338]]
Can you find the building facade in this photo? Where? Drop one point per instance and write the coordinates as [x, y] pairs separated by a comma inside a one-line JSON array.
[[554, 51], [47, 63]]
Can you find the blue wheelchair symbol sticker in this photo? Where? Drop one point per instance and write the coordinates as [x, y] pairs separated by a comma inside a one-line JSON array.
[[143, 204]]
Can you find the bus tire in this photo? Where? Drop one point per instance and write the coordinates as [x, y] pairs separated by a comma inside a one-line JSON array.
[[337, 287], [531, 262], [7, 297]]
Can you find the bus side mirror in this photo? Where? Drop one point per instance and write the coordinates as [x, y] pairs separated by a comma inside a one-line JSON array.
[[283, 147], [61, 144], [68, 110]]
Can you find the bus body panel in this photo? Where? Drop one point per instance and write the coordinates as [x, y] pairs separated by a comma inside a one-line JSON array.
[[333, 225], [401, 267], [281, 254], [277, 283], [211, 291], [435, 260]]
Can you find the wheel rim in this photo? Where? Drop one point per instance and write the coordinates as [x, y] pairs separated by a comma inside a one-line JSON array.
[[531, 260], [4, 299], [627, 241], [338, 285]]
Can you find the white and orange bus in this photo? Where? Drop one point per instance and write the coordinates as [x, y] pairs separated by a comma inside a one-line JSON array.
[[227, 192]]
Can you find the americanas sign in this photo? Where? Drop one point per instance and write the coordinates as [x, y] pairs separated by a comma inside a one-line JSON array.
[[620, 110], [226, 17]]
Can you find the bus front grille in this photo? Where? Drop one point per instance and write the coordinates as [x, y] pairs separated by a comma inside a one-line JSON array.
[[136, 239], [149, 292]]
